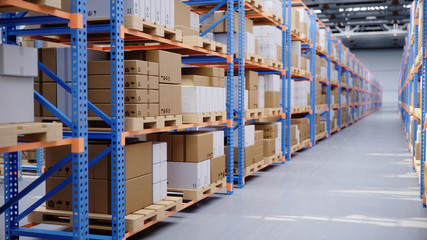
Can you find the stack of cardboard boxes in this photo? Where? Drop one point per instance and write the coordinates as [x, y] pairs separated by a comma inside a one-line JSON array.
[[194, 159], [343, 116], [321, 67], [271, 137], [58, 61], [249, 145], [334, 119], [269, 39], [320, 94], [203, 90], [302, 21], [251, 85], [296, 54], [169, 73], [272, 6], [320, 125], [303, 128], [300, 93], [18, 67], [138, 178], [186, 20], [343, 98], [272, 86], [334, 95]]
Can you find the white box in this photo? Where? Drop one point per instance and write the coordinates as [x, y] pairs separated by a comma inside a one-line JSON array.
[[101, 8], [159, 152], [142, 9], [160, 172], [249, 136], [18, 61], [160, 191], [192, 99], [209, 99], [158, 10], [187, 175], [16, 99], [206, 180], [278, 143], [272, 83], [152, 10]]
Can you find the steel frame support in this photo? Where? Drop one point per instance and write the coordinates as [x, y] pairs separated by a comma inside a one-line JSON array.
[[328, 87], [423, 101], [339, 85], [286, 79], [288, 82], [312, 116]]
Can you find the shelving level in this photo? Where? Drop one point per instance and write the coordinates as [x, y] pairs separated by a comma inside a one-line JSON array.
[[412, 91], [117, 36]]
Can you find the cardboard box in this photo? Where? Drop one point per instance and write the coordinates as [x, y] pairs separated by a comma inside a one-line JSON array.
[[253, 99], [169, 65], [160, 152], [189, 175], [37, 105], [48, 57], [417, 150], [182, 16], [49, 92], [131, 82], [248, 156], [160, 171], [258, 134], [218, 168], [272, 99], [269, 147], [251, 80], [131, 96], [130, 67], [203, 71], [63, 199], [187, 31], [169, 99], [16, 99], [138, 160], [175, 145], [131, 110], [199, 147], [18, 61], [160, 191], [138, 194], [54, 154], [195, 80]]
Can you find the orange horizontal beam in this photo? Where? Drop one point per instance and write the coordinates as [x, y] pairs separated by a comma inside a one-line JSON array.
[[35, 145]]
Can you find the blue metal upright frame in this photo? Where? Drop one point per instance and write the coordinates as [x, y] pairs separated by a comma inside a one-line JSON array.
[[312, 114]]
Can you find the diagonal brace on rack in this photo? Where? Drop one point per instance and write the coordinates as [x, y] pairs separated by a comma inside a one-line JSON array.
[[37, 182], [60, 186], [51, 108], [67, 88], [216, 23]]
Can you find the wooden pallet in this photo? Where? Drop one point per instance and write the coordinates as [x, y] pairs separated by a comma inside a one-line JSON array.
[[335, 83], [251, 113], [273, 63], [254, 58], [296, 70], [138, 124], [251, 169], [321, 107], [133, 222], [256, 4], [273, 15], [305, 73], [204, 117], [321, 135], [335, 106], [300, 109], [32, 132], [205, 43], [271, 159], [321, 79], [198, 194], [304, 37], [272, 111], [300, 146]]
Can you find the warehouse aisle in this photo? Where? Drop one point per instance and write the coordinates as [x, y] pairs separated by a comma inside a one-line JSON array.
[[359, 184]]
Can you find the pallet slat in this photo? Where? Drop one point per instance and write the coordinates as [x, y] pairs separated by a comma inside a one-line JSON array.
[[32, 132], [198, 194], [204, 117]]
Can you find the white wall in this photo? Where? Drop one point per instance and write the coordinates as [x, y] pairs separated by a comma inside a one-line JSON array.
[[385, 65]]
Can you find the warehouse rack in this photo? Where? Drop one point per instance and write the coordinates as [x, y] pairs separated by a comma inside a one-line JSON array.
[[116, 35], [412, 81]]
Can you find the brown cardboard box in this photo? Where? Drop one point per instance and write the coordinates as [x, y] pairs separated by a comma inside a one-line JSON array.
[[169, 65], [138, 160], [259, 149], [203, 71], [153, 69], [279, 53], [258, 158], [258, 134], [170, 99], [216, 81], [131, 110], [195, 80], [130, 67], [218, 168], [267, 127], [249, 157], [175, 145], [253, 99], [48, 58], [269, 147], [417, 150], [272, 99], [55, 154], [251, 80], [182, 13], [187, 31], [138, 194], [63, 199], [49, 92], [131, 82], [199, 147], [131, 96]]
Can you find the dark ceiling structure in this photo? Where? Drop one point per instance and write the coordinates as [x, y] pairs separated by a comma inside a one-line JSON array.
[[365, 23]]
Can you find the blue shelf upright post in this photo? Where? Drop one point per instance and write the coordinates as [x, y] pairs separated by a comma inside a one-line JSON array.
[[230, 97], [241, 94], [40, 160], [423, 102], [10, 191], [117, 120], [20, 165], [285, 77], [347, 92], [328, 87], [79, 123], [339, 85], [313, 27], [288, 82]]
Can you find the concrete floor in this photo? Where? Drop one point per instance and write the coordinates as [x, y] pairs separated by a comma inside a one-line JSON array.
[[359, 184]]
